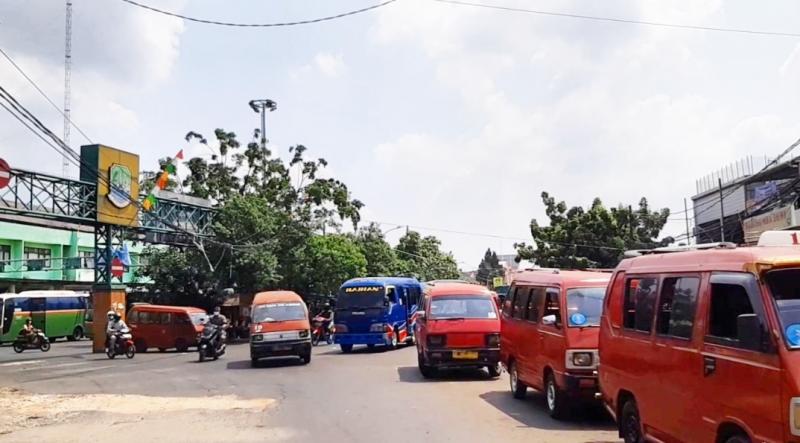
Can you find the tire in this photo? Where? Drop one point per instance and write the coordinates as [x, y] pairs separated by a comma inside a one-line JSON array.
[[45, 346], [556, 401], [181, 345], [630, 424], [52, 339], [110, 353], [130, 351], [370, 347], [346, 349], [518, 388], [393, 343], [253, 362], [494, 370], [201, 355], [141, 345], [426, 370], [77, 334], [314, 339], [18, 347], [738, 438], [306, 358]]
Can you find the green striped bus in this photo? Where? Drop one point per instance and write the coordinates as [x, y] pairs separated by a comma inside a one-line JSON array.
[[60, 314]]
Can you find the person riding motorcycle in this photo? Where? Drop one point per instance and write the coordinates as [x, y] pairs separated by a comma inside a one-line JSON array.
[[219, 320], [327, 314], [116, 329], [28, 331]]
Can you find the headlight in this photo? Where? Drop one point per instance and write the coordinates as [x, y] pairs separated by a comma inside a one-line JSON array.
[[377, 327], [436, 340], [582, 359], [340, 329], [303, 333], [258, 337], [493, 340]]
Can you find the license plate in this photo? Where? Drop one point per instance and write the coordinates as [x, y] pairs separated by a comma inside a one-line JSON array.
[[282, 347], [465, 355]]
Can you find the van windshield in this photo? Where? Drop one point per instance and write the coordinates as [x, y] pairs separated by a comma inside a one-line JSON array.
[[275, 312], [198, 318], [584, 306], [784, 285], [361, 297], [453, 307]]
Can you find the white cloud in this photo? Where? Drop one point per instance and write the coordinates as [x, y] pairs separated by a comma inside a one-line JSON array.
[[330, 65]]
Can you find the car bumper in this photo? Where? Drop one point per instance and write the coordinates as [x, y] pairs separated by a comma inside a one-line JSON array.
[[447, 358], [582, 386], [279, 348], [362, 339]]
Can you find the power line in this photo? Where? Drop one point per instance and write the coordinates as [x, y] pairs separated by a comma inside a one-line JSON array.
[[259, 25], [619, 20], [33, 83]]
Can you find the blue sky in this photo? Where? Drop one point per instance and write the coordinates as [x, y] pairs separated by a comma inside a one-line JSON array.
[[435, 115]]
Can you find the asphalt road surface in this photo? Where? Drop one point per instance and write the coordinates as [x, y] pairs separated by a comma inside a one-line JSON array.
[[359, 397]]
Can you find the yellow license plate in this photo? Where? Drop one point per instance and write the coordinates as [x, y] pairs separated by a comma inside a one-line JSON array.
[[465, 355]]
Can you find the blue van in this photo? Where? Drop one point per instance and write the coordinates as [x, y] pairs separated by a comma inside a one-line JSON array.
[[376, 311]]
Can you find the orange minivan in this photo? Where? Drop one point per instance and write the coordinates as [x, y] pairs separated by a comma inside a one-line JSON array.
[[703, 344], [279, 327], [549, 332], [164, 327], [458, 326]]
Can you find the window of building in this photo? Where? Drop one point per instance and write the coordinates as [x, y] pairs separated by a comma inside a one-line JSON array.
[[87, 259], [37, 258], [5, 257], [640, 301], [677, 305]]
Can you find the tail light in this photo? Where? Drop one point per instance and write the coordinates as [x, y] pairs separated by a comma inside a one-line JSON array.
[[493, 340], [340, 329], [437, 341]]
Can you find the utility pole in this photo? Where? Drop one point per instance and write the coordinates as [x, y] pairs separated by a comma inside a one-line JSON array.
[[67, 83], [721, 212], [686, 214], [261, 106]]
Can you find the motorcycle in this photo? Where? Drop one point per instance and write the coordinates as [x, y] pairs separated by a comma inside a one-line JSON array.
[[123, 345], [210, 343], [38, 341], [319, 332]]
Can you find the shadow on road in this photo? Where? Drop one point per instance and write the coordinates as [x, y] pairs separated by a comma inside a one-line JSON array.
[[262, 364], [532, 412], [411, 374]]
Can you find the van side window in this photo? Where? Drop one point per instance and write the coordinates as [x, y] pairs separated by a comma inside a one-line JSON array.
[[146, 318], [677, 305], [508, 303], [552, 305], [182, 319], [535, 299], [133, 317], [521, 303], [640, 301], [166, 318]]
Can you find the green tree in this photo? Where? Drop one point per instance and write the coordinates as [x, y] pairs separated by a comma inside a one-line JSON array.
[[423, 258], [331, 260], [592, 237], [381, 258], [489, 267]]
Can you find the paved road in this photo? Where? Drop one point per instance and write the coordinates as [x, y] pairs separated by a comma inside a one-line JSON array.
[[364, 396]]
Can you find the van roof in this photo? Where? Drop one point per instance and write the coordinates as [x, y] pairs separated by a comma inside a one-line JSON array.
[[456, 288], [738, 259], [276, 297], [562, 278], [165, 308]]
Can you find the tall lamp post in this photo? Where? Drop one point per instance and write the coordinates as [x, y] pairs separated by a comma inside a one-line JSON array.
[[261, 106]]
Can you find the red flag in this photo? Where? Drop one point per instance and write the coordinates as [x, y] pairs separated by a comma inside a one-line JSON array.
[[179, 154]]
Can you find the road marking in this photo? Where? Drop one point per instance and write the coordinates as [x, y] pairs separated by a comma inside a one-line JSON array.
[[20, 363]]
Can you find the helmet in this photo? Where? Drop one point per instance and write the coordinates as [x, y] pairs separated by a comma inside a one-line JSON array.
[[110, 314], [217, 310], [326, 306], [28, 320]]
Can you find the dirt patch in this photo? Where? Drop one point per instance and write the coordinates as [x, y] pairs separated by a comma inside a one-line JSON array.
[[25, 410]]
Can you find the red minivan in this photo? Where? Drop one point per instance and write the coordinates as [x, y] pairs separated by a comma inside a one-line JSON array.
[[702, 344], [542, 351], [165, 327], [458, 326]]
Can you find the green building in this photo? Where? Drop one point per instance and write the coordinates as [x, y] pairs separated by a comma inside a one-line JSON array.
[[50, 255]]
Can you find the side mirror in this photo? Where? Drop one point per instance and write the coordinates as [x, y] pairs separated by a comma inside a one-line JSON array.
[[549, 320], [748, 331]]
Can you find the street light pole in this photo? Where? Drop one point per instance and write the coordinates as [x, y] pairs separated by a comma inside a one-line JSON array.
[[261, 106]]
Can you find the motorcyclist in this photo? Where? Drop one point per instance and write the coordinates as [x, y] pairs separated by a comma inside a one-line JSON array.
[[28, 331], [219, 320], [327, 314], [116, 329]]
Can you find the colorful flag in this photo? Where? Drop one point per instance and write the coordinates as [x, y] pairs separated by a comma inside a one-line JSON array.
[[170, 168], [179, 154], [163, 179]]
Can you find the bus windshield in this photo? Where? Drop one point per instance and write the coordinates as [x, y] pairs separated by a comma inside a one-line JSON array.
[[784, 284], [584, 306], [361, 297], [277, 312]]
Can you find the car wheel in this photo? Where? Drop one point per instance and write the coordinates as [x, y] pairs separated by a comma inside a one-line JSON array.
[[556, 400], [181, 345], [306, 358], [393, 343], [253, 362], [141, 345], [518, 388], [630, 423], [346, 349], [424, 369], [738, 438], [77, 334], [494, 370]]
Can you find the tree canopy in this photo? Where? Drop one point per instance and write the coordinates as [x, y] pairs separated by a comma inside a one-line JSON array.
[[595, 237], [422, 257], [489, 267]]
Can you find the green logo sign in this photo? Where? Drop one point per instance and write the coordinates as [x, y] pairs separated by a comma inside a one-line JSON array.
[[119, 193]]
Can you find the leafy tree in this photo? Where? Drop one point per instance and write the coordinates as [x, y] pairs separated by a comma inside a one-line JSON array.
[[180, 278], [489, 267], [593, 237], [331, 260], [423, 258], [381, 258]]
